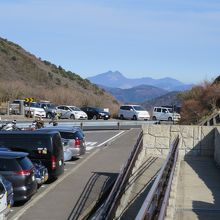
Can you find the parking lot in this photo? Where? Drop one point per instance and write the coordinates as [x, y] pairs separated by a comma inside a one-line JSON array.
[[95, 141]]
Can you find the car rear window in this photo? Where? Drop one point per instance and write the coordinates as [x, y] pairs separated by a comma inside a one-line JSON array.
[[9, 165], [68, 135], [25, 163], [71, 135]]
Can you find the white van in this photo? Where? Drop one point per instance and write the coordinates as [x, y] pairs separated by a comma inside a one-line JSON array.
[[165, 114], [134, 112], [4, 210]]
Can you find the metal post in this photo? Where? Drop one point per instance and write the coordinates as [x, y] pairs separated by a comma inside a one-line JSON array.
[[21, 107], [118, 125], [81, 125], [8, 108]]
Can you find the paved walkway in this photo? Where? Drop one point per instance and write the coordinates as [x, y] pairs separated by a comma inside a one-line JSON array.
[[198, 190], [79, 192]]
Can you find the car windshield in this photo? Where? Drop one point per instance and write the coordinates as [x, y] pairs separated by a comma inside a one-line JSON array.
[[34, 104], [75, 108], [139, 108], [170, 110], [99, 109]]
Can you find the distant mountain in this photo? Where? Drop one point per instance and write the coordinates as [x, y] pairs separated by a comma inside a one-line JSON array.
[[170, 98], [136, 94], [118, 80]]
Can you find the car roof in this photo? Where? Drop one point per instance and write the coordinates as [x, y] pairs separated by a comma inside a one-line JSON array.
[[131, 105], [58, 129], [62, 127], [29, 133], [12, 154]]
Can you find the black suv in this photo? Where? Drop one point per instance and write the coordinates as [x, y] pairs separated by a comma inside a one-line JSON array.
[[44, 146], [96, 113], [19, 170]]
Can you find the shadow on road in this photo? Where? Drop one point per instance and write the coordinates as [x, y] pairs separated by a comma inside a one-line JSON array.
[[97, 186]]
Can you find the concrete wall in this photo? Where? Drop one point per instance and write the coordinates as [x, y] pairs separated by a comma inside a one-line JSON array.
[[194, 140]]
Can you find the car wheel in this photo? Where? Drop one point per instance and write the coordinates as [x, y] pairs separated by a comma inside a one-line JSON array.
[[95, 117], [134, 117], [49, 115], [72, 116], [169, 119], [154, 118], [121, 117]]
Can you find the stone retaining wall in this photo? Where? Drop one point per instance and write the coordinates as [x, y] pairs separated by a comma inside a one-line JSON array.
[[194, 140]]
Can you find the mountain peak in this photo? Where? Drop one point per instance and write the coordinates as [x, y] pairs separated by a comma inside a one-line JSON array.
[[116, 79]]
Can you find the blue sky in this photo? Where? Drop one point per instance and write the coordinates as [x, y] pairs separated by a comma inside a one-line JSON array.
[[140, 38]]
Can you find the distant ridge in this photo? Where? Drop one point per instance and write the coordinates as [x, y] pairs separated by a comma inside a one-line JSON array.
[[136, 94], [118, 80]]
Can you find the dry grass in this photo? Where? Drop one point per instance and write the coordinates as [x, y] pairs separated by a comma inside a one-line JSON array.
[[23, 75]]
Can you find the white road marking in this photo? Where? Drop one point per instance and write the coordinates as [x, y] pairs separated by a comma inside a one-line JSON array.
[[110, 139]]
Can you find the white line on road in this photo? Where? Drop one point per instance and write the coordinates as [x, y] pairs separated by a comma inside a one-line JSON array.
[[110, 139]]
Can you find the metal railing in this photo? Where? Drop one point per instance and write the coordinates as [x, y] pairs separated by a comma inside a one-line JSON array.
[[108, 209], [154, 206]]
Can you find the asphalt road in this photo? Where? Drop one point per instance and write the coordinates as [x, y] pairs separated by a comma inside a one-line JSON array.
[[107, 150]]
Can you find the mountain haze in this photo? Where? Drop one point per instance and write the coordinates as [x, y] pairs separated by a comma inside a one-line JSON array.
[[136, 94], [118, 80]]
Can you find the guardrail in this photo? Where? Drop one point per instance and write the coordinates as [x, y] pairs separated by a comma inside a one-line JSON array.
[[108, 209], [154, 206]]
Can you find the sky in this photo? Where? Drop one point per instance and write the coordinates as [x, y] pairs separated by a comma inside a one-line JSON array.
[[139, 38]]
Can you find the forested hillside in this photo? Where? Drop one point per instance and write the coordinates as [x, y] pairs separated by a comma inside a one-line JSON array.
[[200, 102]]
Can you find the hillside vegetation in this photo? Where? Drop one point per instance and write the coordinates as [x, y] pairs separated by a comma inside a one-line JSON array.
[[23, 75], [200, 102]]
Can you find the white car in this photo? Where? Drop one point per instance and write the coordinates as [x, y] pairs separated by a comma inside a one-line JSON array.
[[33, 110], [165, 114], [3, 201], [135, 112], [72, 112]]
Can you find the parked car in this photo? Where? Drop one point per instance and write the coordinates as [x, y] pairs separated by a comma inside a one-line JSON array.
[[19, 170], [4, 210], [71, 112], [9, 189], [96, 113], [134, 112], [49, 108], [40, 171], [32, 110], [44, 146], [165, 114], [73, 139]]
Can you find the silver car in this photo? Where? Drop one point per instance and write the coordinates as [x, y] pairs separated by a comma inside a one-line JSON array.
[[73, 140], [72, 112]]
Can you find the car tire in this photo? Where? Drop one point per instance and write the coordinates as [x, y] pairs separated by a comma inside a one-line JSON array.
[[49, 115], [121, 117], [94, 117], [154, 118], [134, 117], [72, 117], [169, 119]]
